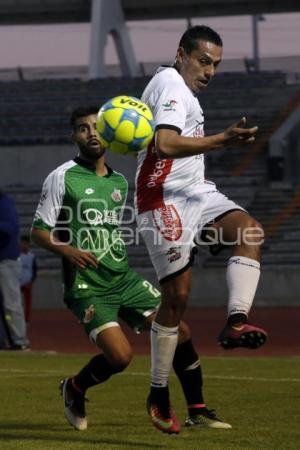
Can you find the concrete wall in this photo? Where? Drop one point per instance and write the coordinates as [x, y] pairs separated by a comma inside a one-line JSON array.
[[48, 291], [29, 165], [277, 287]]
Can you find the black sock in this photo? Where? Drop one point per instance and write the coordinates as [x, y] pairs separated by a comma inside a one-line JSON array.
[[188, 369], [95, 372], [160, 395], [234, 319]]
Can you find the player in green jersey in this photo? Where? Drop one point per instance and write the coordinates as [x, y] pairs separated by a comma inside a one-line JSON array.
[[78, 217]]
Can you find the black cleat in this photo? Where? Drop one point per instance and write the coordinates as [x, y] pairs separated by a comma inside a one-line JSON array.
[[206, 419]]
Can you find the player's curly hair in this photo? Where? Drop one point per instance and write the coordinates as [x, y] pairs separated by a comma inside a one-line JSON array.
[[82, 111], [197, 33]]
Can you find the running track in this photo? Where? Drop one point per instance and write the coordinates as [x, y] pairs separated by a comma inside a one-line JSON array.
[[58, 330]]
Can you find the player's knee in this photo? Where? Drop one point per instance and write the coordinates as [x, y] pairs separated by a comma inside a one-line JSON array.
[[174, 300], [184, 332], [119, 361], [178, 300], [253, 233]]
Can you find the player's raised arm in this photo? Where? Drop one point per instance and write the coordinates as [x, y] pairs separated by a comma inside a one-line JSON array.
[[170, 144]]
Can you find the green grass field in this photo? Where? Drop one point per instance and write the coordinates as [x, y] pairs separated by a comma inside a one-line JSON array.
[[260, 397]]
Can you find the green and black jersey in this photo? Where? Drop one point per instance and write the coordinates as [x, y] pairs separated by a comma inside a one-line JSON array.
[[85, 210]]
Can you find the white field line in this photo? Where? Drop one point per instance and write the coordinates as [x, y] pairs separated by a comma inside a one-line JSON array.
[[16, 373], [229, 377]]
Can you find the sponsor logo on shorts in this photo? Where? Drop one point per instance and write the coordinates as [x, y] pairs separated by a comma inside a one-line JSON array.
[[89, 314], [173, 254], [168, 222]]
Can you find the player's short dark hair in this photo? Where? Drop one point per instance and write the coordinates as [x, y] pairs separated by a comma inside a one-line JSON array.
[[190, 38], [82, 111]]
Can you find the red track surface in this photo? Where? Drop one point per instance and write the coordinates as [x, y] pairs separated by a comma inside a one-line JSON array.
[[58, 330]]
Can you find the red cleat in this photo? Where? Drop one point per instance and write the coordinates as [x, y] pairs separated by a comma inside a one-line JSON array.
[[165, 422], [244, 335]]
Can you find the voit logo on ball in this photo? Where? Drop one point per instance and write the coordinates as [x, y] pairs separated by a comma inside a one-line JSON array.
[[125, 125]]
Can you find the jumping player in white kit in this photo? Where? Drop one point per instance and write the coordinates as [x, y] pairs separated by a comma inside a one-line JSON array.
[[176, 206]]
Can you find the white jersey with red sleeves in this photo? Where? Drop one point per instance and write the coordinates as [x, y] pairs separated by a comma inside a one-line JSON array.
[[174, 106]]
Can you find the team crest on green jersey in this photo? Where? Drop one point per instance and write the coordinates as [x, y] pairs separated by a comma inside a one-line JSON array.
[[116, 195]]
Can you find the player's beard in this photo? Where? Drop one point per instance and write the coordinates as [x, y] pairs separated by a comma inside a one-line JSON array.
[[91, 153]]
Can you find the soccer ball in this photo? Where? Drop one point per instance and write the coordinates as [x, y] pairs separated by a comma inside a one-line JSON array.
[[125, 125]]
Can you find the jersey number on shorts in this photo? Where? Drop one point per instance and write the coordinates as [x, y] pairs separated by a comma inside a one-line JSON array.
[[155, 292]]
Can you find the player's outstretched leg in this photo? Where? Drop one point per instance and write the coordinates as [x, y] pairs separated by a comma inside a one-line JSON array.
[[242, 277], [160, 411], [241, 334], [74, 404]]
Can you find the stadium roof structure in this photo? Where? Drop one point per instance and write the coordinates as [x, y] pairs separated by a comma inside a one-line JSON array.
[[71, 11], [110, 16]]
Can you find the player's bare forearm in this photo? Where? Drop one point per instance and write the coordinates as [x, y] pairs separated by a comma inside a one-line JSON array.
[[169, 144], [48, 241]]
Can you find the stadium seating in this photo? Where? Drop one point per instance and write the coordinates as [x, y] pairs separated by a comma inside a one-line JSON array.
[[37, 113]]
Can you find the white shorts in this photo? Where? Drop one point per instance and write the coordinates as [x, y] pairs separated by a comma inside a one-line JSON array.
[[170, 231]]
